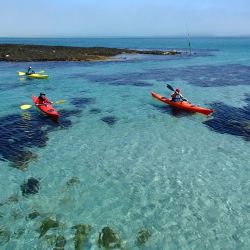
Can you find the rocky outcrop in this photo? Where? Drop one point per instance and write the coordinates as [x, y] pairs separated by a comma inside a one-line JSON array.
[[32, 53]]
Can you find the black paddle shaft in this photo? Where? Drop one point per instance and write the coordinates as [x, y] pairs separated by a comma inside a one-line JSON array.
[[170, 87]]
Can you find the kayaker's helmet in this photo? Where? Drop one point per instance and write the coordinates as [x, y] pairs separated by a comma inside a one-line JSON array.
[[177, 90], [29, 67], [42, 93]]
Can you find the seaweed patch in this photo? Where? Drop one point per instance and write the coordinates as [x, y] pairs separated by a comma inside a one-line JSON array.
[[120, 80], [205, 75], [95, 111], [231, 120], [110, 120], [202, 75], [81, 102], [30, 187], [18, 133], [68, 113]]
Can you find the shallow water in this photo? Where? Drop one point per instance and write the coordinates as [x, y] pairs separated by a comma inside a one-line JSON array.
[[135, 162]]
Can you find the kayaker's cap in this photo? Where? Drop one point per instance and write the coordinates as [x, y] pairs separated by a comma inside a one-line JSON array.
[[178, 90], [42, 93]]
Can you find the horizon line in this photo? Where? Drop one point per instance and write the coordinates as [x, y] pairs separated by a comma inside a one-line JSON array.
[[124, 37]]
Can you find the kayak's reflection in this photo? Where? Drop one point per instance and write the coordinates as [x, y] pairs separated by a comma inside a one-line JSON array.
[[173, 111]]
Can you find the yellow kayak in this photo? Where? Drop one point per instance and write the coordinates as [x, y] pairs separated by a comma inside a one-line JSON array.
[[33, 75]]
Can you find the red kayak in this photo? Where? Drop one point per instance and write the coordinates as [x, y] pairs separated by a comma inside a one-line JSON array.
[[46, 108], [183, 105]]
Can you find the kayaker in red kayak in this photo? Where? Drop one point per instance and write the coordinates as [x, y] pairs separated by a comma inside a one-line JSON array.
[[177, 96], [43, 100]]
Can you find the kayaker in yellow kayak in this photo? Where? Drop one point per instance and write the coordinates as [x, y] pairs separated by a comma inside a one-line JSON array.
[[30, 71], [177, 96]]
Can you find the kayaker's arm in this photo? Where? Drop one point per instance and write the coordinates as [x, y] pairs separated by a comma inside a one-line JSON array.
[[183, 98], [45, 103]]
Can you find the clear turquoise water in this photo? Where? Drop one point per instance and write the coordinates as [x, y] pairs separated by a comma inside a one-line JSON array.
[[183, 177]]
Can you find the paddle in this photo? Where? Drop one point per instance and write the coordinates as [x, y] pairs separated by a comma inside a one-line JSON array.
[[25, 106], [60, 101], [28, 106], [170, 87]]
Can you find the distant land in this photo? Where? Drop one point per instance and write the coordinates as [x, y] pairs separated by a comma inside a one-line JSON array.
[[33, 53]]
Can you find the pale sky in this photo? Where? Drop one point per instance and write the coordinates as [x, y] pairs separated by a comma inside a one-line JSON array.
[[119, 18]]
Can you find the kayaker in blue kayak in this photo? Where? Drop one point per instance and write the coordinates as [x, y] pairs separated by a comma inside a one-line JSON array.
[[177, 96], [30, 71]]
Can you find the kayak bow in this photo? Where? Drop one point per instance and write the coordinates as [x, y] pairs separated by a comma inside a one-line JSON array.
[[183, 105]]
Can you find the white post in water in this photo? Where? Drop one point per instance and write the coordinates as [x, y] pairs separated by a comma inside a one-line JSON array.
[[189, 44]]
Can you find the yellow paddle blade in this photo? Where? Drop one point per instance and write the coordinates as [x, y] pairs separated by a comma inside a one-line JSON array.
[[21, 73], [40, 72], [60, 101], [25, 106]]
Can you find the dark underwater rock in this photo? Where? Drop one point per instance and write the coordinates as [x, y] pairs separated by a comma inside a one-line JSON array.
[[142, 237], [30, 187], [4, 235], [46, 225], [82, 231], [60, 243], [72, 181], [33, 215], [108, 239]]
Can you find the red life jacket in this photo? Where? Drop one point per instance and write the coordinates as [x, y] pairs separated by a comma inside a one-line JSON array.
[[44, 100]]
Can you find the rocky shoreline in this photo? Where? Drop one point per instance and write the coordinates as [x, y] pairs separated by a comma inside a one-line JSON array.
[[33, 53]]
